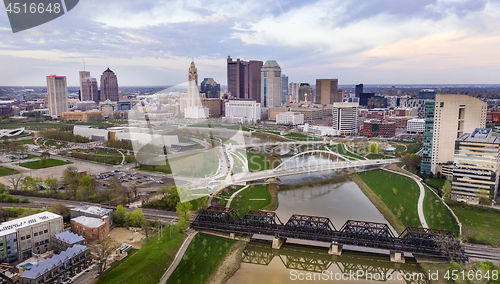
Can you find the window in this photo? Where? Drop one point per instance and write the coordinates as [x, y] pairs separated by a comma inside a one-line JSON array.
[[28, 237], [93, 235], [45, 231], [35, 234]]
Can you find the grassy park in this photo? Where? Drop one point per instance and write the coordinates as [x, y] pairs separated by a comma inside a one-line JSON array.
[[257, 162], [479, 225], [399, 193], [436, 182], [7, 171], [35, 165], [194, 165], [149, 263], [202, 257], [301, 137], [255, 197], [437, 214]]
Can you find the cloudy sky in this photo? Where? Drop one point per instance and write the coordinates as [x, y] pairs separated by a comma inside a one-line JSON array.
[[152, 42]]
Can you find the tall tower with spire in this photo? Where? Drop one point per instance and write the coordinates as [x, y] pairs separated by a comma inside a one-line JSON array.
[[191, 103]]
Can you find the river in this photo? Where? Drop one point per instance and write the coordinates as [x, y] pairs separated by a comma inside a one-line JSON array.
[[335, 197]]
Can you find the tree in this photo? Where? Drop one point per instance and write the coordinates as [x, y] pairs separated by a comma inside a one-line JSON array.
[[120, 215], [60, 209], [87, 186], [15, 180], [4, 214], [102, 249], [184, 216], [135, 219], [431, 175], [45, 154], [117, 191], [71, 177], [146, 226], [43, 162], [374, 148], [51, 183], [446, 190], [30, 183]]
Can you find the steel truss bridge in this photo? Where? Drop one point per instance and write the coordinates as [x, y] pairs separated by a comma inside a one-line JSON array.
[[313, 259], [433, 242]]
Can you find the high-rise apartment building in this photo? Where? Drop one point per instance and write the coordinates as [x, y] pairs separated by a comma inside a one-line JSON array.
[[244, 78], [306, 93], [284, 88], [451, 117], [345, 118], [109, 86], [57, 93], [210, 88], [427, 94], [476, 165], [327, 91], [358, 90], [293, 92], [271, 92]]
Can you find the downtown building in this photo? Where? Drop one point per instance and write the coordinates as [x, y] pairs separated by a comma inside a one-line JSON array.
[[210, 88], [244, 79], [191, 104], [378, 128], [290, 118], [327, 91], [109, 86], [89, 90], [243, 110], [271, 91], [345, 118], [476, 167], [23, 237], [446, 119], [57, 94]]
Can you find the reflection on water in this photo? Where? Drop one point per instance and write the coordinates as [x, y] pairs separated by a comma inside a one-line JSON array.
[[335, 197]]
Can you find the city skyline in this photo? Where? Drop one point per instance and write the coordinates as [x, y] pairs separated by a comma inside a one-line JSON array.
[[149, 43]]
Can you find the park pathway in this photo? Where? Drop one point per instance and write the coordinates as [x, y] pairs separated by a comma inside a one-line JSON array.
[[420, 205], [178, 258]]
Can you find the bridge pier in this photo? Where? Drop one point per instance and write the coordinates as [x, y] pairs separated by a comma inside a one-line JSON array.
[[278, 242], [335, 249], [397, 256]]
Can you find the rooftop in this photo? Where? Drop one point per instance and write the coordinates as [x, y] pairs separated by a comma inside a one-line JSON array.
[[44, 266], [481, 135], [88, 222], [90, 209], [7, 228], [271, 63], [69, 237]]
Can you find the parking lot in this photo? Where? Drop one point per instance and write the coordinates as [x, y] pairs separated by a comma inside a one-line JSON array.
[[132, 178]]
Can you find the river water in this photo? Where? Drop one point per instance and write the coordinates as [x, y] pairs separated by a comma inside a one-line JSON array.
[[335, 197]]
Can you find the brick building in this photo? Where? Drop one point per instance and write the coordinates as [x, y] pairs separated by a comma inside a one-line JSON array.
[[376, 128], [90, 228]]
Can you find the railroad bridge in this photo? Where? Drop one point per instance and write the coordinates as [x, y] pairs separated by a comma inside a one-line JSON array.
[[425, 241]]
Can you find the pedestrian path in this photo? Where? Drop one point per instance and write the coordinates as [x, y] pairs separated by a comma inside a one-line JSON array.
[[178, 258], [420, 205], [234, 194]]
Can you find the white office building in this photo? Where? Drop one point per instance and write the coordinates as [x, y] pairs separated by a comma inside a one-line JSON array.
[[345, 118], [416, 125], [290, 118], [249, 110]]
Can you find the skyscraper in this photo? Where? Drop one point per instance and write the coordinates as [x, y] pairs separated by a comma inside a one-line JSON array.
[[327, 91], [345, 118], [293, 92], [244, 79], [109, 86], [451, 116], [191, 103], [284, 88], [57, 93], [89, 90], [358, 90], [306, 93], [210, 88], [271, 84], [82, 75]]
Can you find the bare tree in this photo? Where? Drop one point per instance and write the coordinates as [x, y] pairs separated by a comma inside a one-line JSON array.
[[15, 180], [450, 247], [102, 249], [146, 226]]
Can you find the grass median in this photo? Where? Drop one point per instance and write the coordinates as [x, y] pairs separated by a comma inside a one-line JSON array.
[[35, 165], [7, 171]]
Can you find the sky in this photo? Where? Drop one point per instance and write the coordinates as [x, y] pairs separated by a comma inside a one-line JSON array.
[[152, 42]]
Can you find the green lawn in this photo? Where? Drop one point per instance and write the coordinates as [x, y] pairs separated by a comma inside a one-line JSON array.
[[7, 171], [340, 149], [301, 137], [373, 156], [25, 141], [402, 201], [35, 165], [257, 162], [399, 148], [437, 214], [437, 182], [149, 263], [194, 165], [414, 148], [244, 204], [481, 226], [399, 164], [238, 165], [202, 257], [221, 198]]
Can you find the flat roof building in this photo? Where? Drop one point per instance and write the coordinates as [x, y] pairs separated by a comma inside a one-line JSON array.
[[22, 237], [92, 211], [90, 228]]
